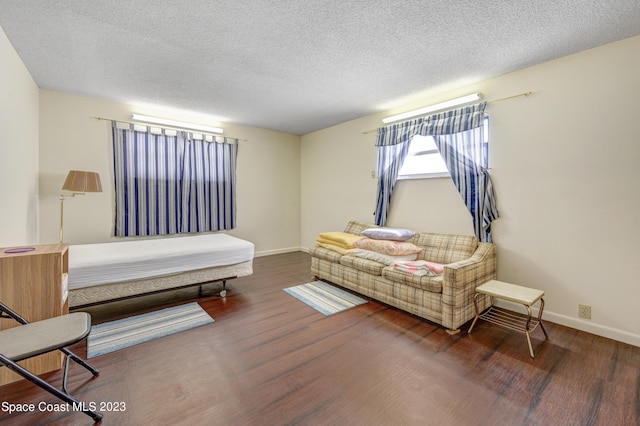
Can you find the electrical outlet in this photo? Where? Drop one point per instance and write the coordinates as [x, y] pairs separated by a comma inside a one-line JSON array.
[[584, 311]]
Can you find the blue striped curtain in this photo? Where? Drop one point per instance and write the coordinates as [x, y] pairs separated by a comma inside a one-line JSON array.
[[168, 184], [209, 198], [390, 159], [458, 135]]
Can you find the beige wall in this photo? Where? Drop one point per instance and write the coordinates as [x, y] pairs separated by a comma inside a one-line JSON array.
[[566, 171], [70, 138], [19, 150]]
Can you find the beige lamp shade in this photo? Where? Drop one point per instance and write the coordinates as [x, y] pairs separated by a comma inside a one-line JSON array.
[[79, 181]]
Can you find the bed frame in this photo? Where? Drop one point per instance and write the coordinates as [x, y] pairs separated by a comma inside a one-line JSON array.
[[91, 296]]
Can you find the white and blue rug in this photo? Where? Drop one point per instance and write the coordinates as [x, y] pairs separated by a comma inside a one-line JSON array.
[[115, 335], [324, 298]]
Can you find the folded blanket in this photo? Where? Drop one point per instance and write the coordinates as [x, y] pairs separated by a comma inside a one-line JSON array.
[[335, 248], [419, 267], [379, 257], [340, 239]]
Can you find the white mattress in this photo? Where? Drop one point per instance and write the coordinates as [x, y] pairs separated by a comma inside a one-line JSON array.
[[106, 263]]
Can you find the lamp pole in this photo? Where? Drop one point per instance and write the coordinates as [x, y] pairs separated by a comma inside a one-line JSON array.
[[61, 218]]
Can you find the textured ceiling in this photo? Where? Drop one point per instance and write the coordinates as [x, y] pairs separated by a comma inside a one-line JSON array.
[[296, 65]]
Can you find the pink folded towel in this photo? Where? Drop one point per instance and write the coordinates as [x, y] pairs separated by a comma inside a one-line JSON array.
[[419, 267]]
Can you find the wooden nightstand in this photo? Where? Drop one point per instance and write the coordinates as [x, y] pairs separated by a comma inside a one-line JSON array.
[[34, 284]]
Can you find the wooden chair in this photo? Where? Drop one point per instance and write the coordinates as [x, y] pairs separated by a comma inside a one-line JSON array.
[[31, 339]]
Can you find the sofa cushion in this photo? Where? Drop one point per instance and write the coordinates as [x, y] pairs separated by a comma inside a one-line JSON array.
[[445, 248], [325, 254], [360, 264], [428, 283]]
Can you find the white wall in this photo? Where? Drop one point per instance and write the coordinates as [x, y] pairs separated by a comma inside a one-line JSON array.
[[566, 171], [19, 148], [268, 192]]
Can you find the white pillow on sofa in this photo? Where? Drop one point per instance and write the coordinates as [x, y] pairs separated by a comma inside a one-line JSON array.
[[393, 234]]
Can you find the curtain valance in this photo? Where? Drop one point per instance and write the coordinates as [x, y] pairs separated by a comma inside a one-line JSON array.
[[444, 123]]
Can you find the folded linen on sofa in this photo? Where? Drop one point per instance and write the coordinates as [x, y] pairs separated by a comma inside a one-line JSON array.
[[419, 267], [379, 257], [334, 247], [340, 239]]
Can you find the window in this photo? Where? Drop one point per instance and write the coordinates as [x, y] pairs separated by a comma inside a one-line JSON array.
[[172, 182], [424, 160]]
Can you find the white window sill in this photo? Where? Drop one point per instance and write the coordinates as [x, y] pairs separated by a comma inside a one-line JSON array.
[[425, 176]]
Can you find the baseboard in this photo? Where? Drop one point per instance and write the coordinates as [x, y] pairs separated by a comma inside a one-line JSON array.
[[278, 251], [577, 323]]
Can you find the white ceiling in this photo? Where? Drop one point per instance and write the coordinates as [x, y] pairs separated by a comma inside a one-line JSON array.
[[296, 65]]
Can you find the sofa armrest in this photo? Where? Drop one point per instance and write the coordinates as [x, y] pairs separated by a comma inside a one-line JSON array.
[[460, 282], [480, 265]]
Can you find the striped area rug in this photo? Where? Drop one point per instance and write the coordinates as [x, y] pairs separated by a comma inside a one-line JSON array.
[[115, 335], [324, 298]]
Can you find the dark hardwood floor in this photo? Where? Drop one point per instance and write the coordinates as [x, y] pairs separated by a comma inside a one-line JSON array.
[[268, 359]]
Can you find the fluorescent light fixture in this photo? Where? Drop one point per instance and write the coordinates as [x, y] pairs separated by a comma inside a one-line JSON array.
[[174, 123], [442, 105]]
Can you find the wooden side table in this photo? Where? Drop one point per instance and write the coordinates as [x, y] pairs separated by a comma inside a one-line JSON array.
[[513, 293], [33, 282]]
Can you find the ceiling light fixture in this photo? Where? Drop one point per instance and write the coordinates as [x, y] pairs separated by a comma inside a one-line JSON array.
[[442, 105], [174, 123]]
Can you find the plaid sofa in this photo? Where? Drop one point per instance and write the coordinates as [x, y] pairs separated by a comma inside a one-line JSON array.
[[446, 299]]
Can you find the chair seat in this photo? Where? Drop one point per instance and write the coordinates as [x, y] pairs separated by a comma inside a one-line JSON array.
[[39, 337]]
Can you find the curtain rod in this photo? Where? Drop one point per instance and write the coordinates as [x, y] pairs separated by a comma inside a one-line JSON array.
[[525, 94], [168, 127]]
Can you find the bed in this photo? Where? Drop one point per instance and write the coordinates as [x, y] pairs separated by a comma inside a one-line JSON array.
[[104, 272]]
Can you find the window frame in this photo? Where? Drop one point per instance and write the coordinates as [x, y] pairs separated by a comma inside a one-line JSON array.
[[447, 174]]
